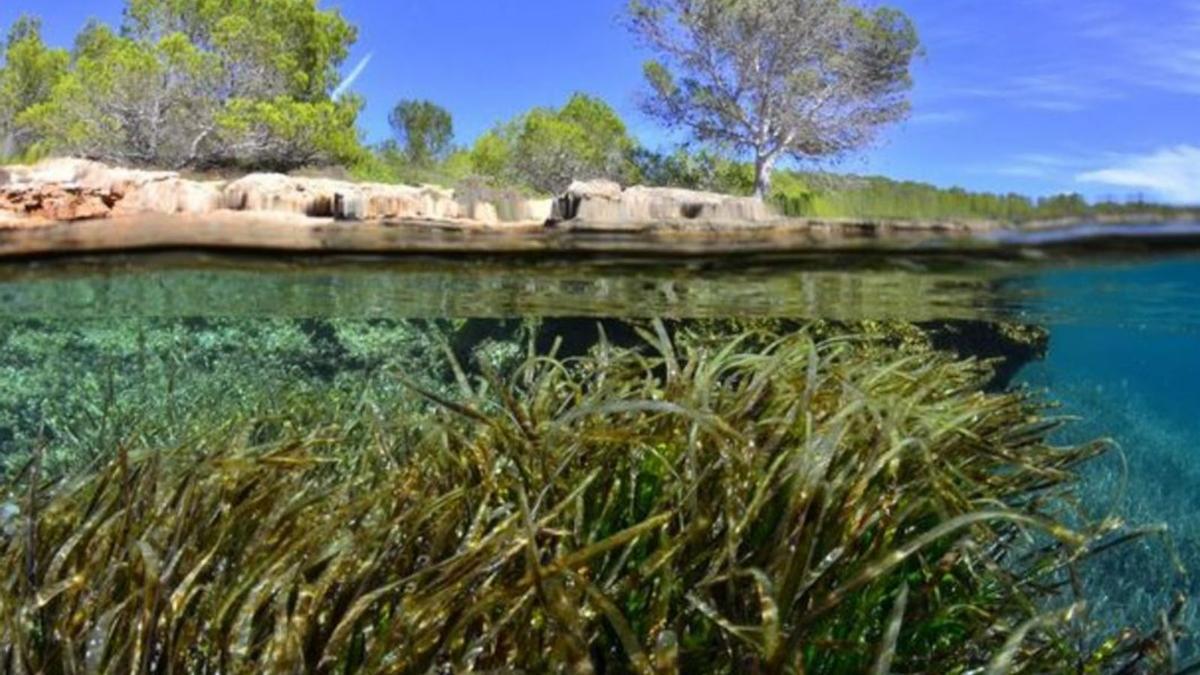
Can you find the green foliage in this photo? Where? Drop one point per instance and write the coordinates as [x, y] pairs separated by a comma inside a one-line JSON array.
[[131, 102], [96, 39], [492, 153], [296, 45], [546, 149], [287, 133], [830, 196], [541, 151], [776, 79], [423, 129], [29, 71], [701, 170], [388, 163], [710, 502], [205, 83]]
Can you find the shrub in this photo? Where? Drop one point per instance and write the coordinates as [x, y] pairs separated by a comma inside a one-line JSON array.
[[546, 149], [199, 85]]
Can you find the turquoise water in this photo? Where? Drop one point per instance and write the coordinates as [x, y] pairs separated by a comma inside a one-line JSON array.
[[90, 348], [1124, 360]]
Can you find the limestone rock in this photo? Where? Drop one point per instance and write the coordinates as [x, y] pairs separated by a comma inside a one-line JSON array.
[[81, 172], [172, 195], [604, 203], [539, 210], [523, 210], [10, 220], [403, 201], [56, 202], [666, 204], [76, 189], [75, 204], [58, 171], [596, 189], [277, 192], [350, 206], [323, 198], [485, 212]]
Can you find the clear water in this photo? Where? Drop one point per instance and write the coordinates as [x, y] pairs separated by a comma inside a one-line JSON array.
[[86, 345]]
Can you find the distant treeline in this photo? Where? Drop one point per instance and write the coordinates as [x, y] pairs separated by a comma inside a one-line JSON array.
[[828, 195], [825, 195]]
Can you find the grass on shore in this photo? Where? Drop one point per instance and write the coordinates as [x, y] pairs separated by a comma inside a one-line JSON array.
[[749, 502]]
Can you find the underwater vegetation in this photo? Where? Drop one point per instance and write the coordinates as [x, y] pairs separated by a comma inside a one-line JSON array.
[[74, 388], [705, 500]]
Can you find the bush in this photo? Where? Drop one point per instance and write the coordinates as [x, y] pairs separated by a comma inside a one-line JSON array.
[[547, 149], [200, 85]]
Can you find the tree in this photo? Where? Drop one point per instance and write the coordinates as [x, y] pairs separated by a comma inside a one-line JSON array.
[[424, 129], [776, 78], [268, 47], [133, 103], [28, 73], [546, 149], [201, 83], [95, 40]]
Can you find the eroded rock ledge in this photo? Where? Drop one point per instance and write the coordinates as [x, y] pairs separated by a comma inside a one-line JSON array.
[[71, 206], [67, 190], [64, 190]]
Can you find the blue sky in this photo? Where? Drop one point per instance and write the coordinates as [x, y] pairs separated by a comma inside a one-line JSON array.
[[1034, 96]]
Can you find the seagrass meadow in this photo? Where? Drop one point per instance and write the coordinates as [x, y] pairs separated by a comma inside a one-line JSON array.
[[876, 471]]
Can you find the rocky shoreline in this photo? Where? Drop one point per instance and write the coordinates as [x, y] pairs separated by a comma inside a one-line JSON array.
[[79, 206]]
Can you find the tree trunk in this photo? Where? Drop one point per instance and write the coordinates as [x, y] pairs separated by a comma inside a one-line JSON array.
[[8, 145], [764, 166]]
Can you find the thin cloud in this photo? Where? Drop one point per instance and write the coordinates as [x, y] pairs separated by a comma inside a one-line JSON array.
[[1039, 165], [940, 117], [1121, 49], [354, 74], [1023, 171], [1171, 173], [1164, 55], [1045, 91], [1047, 160], [1054, 172]]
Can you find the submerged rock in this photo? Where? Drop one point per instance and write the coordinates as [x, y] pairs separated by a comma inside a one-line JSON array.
[[1008, 346]]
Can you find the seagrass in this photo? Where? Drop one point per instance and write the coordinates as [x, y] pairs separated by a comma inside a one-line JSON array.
[[706, 501]]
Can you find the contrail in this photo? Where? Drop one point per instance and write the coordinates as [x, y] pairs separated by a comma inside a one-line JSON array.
[[346, 83]]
